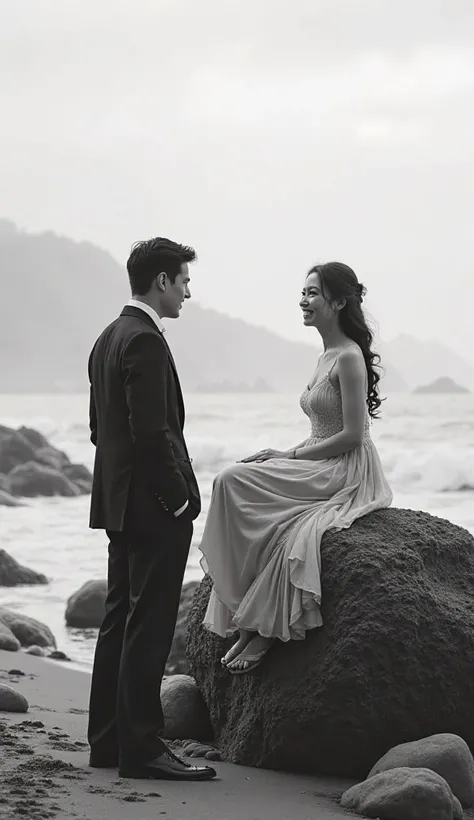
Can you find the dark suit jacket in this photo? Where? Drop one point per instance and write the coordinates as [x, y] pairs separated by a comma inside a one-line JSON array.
[[142, 470]]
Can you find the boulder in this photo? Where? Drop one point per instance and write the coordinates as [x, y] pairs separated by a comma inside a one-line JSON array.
[[34, 479], [446, 754], [8, 642], [398, 610], [85, 609], [11, 700], [184, 710], [13, 574], [29, 631], [404, 794]]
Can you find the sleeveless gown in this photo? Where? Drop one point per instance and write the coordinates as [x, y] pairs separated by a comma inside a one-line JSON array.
[[262, 538]]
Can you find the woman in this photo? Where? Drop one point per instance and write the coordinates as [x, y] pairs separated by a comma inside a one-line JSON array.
[[261, 542]]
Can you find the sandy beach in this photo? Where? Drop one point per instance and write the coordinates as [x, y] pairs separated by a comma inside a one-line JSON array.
[[45, 773]]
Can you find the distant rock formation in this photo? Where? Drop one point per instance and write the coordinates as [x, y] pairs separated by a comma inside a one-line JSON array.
[[442, 385], [208, 346], [30, 466]]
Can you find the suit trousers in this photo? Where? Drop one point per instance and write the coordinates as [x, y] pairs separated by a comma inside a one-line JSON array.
[[145, 575]]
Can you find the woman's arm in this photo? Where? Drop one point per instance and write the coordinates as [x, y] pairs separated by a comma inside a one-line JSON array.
[[352, 379]]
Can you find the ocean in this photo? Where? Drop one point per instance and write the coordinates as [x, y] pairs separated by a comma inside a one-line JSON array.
[[426, 444]]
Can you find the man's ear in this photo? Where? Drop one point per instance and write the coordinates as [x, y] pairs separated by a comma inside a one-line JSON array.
[[161, 281]]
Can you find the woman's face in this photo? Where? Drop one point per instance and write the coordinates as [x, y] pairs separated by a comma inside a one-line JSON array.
[[313, 304]]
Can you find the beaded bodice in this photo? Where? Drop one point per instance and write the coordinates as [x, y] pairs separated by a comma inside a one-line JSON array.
[[322, 403]]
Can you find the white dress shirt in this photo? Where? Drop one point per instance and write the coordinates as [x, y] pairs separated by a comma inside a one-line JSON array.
[[153, 315]]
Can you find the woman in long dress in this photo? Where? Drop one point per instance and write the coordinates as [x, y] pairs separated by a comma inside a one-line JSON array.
[[268, 513]]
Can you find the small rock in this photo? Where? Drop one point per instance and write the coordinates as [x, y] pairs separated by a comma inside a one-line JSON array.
[[213, 754], [404, 794], [86, 607], [58, 655], [184, 709], [17, 672], [447, 754], [11, 700], [28, 630], [39, 651], [8, 642], [13, 574]]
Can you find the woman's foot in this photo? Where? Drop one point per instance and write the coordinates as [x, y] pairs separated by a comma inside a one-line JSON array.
[[238, 647], [251, 656]]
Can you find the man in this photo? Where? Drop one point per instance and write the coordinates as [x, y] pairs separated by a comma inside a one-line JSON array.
[[145, 496]]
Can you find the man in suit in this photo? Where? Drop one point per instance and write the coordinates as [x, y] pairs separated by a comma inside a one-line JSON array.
[[145, 496]]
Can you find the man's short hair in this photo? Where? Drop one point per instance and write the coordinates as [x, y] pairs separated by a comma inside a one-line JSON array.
[[153, 256]]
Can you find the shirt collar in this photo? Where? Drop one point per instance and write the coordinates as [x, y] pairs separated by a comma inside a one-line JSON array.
[[151, 313]]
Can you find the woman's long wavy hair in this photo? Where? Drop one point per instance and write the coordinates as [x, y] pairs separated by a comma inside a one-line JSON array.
[[338, 281]]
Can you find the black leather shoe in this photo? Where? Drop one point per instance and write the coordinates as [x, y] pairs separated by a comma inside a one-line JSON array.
[[166, 767], [97, 762]]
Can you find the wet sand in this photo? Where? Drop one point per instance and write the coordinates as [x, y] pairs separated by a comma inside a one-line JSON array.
[[45, 773]]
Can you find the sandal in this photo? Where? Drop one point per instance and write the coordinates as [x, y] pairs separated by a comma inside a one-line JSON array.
[[252, 660]]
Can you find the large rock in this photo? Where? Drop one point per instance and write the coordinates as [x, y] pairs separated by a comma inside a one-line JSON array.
[[8, 642], [398, 610], [446, 754], [86, 607], [34, 479], [404, 794], [11, 700], [28, 631], [185, 713], [13, 574]]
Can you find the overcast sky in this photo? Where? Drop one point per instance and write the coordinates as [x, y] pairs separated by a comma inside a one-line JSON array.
[[269, 134]]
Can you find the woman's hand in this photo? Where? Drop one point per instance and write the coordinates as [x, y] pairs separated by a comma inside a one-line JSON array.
[[265, 455]]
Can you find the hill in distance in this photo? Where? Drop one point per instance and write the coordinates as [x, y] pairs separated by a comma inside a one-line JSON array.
[[58, 294]]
